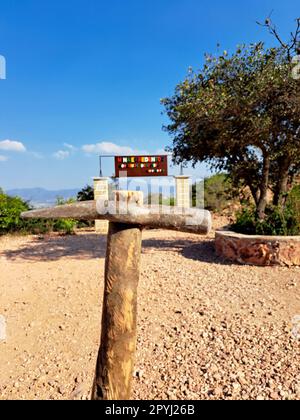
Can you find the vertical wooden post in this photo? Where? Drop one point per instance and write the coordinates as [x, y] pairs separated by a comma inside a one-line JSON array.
[[118, 338]]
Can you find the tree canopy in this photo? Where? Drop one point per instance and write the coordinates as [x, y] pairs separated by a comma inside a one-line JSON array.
[[86, 194], [241, 114]]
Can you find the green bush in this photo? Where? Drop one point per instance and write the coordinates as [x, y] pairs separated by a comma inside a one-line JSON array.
[[11, 221], [66, 226], [218, 191], [293, 201], [278, 221], [36, 227], [10, 213]]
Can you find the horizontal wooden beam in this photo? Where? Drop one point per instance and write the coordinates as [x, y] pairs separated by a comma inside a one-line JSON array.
[[157, 217]]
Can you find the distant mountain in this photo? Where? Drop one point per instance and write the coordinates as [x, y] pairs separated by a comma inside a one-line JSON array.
[[40, 197]]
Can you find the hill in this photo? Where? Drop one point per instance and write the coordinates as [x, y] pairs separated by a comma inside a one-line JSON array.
[[40, 197]]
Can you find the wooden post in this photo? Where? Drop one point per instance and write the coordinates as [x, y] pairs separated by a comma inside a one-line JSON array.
[[116, 357], [115, 362]]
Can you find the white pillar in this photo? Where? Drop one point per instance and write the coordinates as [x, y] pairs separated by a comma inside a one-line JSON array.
[[183, 191], [101, 191]]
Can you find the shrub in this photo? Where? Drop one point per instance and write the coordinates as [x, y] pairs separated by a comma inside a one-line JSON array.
[[36, 227], [11, 221], [66, 226], [218, 193], [10, 213], [278, 221]]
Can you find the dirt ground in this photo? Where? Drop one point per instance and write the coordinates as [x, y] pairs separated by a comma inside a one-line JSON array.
[[207, 329]]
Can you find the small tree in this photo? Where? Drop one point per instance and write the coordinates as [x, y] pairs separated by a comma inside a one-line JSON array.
[[218, 193], [86, 194], [241, 114], [10, 213]]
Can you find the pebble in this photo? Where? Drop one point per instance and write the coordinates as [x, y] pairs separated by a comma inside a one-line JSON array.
[[196, 337], [2, 328]]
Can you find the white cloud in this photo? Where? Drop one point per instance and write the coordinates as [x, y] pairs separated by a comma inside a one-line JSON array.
[[70, 147], [12, 146], [162, 152], [3, 158], [61, 154], [107, 148], [36, 155]]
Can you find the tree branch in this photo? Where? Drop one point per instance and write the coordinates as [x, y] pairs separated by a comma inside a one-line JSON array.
[[293, 44]]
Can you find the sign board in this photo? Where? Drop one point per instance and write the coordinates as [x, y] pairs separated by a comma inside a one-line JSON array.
[[141, 166]]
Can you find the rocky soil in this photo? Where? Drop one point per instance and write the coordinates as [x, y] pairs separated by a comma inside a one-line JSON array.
[[207, 329]]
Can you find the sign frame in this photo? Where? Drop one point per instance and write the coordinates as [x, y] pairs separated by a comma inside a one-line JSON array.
[[141, 166]]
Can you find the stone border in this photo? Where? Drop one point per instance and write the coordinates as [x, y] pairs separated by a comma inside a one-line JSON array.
[[258, 250]]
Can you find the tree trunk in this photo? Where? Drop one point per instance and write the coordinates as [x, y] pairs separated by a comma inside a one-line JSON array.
[[281, 187], [118, 338], [255, 193], [262, 203]]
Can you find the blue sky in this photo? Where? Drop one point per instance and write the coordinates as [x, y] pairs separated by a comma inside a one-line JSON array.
[[91, 73]]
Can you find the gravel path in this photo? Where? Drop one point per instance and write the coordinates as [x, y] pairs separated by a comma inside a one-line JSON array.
[[207, 329]]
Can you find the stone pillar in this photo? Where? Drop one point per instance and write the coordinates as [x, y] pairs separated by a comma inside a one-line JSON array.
[[183, 191], [101, 191]]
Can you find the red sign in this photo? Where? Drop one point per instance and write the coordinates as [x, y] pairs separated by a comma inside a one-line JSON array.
[[141, 166]]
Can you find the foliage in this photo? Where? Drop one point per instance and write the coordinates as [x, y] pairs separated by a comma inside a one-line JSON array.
[[66, 226], [169, 202], [293, 200], [159, 199], [11, 221], [218, 191], [86, 194], [278, 220], [241, 114], [10, 212]]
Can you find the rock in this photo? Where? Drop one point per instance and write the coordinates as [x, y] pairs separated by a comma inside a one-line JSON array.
[[77, 391], [61, 390], [258, 250]]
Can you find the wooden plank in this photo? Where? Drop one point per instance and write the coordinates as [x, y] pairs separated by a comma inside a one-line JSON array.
[[160, 217]]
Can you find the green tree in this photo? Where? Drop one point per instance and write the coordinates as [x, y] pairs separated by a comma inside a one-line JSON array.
[[241, 114], [218, 193], [86, 194], [10, 213]]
